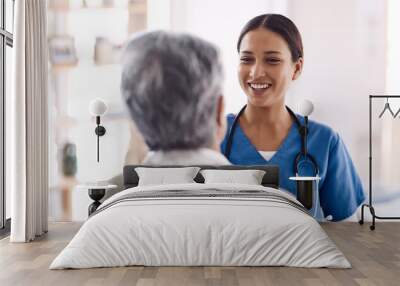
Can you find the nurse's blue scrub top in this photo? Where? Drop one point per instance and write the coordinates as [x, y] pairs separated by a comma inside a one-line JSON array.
[[340, 188]]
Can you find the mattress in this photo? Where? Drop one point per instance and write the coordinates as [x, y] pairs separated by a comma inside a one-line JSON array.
[[201, 225]]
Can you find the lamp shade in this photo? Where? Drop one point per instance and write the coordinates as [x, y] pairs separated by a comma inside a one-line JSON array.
[[97, 107], [306, 107]]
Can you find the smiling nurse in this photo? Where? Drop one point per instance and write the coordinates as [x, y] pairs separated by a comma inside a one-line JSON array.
[[270, 59]]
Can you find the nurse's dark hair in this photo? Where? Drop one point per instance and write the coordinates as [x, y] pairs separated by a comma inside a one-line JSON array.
[[279, 24]]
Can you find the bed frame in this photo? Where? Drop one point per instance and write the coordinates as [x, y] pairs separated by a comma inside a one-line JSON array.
[[270, 179]]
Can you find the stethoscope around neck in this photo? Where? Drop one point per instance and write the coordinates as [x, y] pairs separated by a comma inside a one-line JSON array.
[[302, 157]]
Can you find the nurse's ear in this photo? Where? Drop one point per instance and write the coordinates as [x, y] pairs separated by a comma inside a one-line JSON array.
[[298, 67]]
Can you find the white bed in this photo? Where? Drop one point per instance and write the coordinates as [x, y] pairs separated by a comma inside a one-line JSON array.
[[183, 230]]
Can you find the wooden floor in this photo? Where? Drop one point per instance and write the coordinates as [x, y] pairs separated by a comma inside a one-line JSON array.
[[374, 255]]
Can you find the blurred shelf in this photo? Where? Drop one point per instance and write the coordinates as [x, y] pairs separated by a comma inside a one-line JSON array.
[[137, 7], [61, 67], [74, 9], [83, 65]]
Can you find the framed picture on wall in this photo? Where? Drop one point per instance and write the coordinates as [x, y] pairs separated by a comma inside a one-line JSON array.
[[62, 51]]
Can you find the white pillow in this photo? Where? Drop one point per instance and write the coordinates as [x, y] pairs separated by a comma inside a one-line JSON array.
[[163, 176], [248, 177]]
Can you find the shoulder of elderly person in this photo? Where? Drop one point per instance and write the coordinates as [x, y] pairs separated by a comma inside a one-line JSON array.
[[201, 156]]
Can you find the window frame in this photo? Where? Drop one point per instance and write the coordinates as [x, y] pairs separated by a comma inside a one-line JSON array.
[[6, 39]]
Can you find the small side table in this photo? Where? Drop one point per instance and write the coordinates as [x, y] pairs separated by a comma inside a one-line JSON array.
[[96, 193]]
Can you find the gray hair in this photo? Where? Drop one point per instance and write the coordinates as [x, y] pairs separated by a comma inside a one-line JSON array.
[[171, 84]]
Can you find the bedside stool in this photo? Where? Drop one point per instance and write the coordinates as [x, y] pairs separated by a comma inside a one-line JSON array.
[[96, 193]]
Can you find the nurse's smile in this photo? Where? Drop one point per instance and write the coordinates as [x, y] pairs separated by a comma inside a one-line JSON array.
[[259, 86], [258, 89]]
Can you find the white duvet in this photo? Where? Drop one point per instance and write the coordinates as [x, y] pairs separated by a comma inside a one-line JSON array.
[[200, 231]]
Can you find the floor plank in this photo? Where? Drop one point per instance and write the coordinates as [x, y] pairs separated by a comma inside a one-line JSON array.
[[374, 255]]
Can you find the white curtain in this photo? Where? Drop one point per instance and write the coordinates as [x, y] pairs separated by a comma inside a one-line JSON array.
[[27, 139]]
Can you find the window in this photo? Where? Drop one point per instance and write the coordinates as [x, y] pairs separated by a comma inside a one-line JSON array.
[[6, 43]]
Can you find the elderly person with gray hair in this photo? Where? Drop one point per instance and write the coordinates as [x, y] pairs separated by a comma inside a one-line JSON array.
[[172, 85]]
